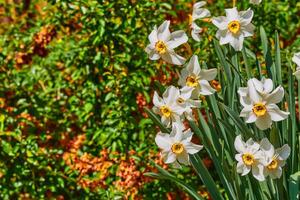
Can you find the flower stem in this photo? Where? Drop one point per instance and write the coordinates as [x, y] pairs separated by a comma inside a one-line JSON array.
[[233, 3]]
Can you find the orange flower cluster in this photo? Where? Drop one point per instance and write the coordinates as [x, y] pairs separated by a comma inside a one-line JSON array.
[[87, 164], [131, 178], [141, 103], [40, 41]]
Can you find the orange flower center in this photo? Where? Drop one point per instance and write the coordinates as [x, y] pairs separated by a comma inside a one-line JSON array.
[[273, 165]]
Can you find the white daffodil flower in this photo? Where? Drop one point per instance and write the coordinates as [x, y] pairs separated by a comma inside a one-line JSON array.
[[259, 102], [256, 2], [249, 158], [234, 27], [177, 145], [193, 76], [167, 107], [163, 43], [198, 13], [184, 100], [274, 159], [296, 59]]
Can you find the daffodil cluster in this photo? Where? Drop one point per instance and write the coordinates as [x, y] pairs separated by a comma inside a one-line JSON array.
[[176, 104], [262, 159], [259, 103], [258, 99]]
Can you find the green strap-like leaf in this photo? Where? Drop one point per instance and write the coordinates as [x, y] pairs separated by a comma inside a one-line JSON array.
[[205, 177]]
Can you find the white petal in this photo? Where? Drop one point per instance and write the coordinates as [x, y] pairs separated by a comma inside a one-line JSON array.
[[276, 173], [186, 92], [253, 94], [195, 35], [177, 38], [276, 114], [284, 152], [246, 17], [248, 30], [183, 158], [205, 88], [232, 14], [171, 94], [166, 121], [256, 2], [268, 85], [246, 102], [243, 91], [187, 135], [225, 38], [194, 103], [177, 132], [239, 157], [182, 78], [251, 118], [200, 13], [297, 74], [153, 36], [163, 32], [246, 111], [170, 157], [177, 109], [154, 56], [276, 96], [220, 22], [257, 172], [173, 58], [237, 42], [193, 65], [241, 168], [252, 146], [239, 144], [193, 148], [296, 59], [258, 85], [163, 141], [263, 122], [267, 147], [157, 100], [208, 74], [199, 5]]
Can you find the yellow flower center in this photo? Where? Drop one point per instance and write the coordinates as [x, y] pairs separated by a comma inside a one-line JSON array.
[[166, 111], [177, 148], [259, 109], [273, 165], [234, 26], [160, 47], [192, 81], [180, 100], [248, 159]]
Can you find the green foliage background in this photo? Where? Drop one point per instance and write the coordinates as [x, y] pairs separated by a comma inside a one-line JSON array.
[[89, 81]]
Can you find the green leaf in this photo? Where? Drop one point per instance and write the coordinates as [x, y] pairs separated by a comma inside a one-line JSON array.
[[205, 176], [166, 175]]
